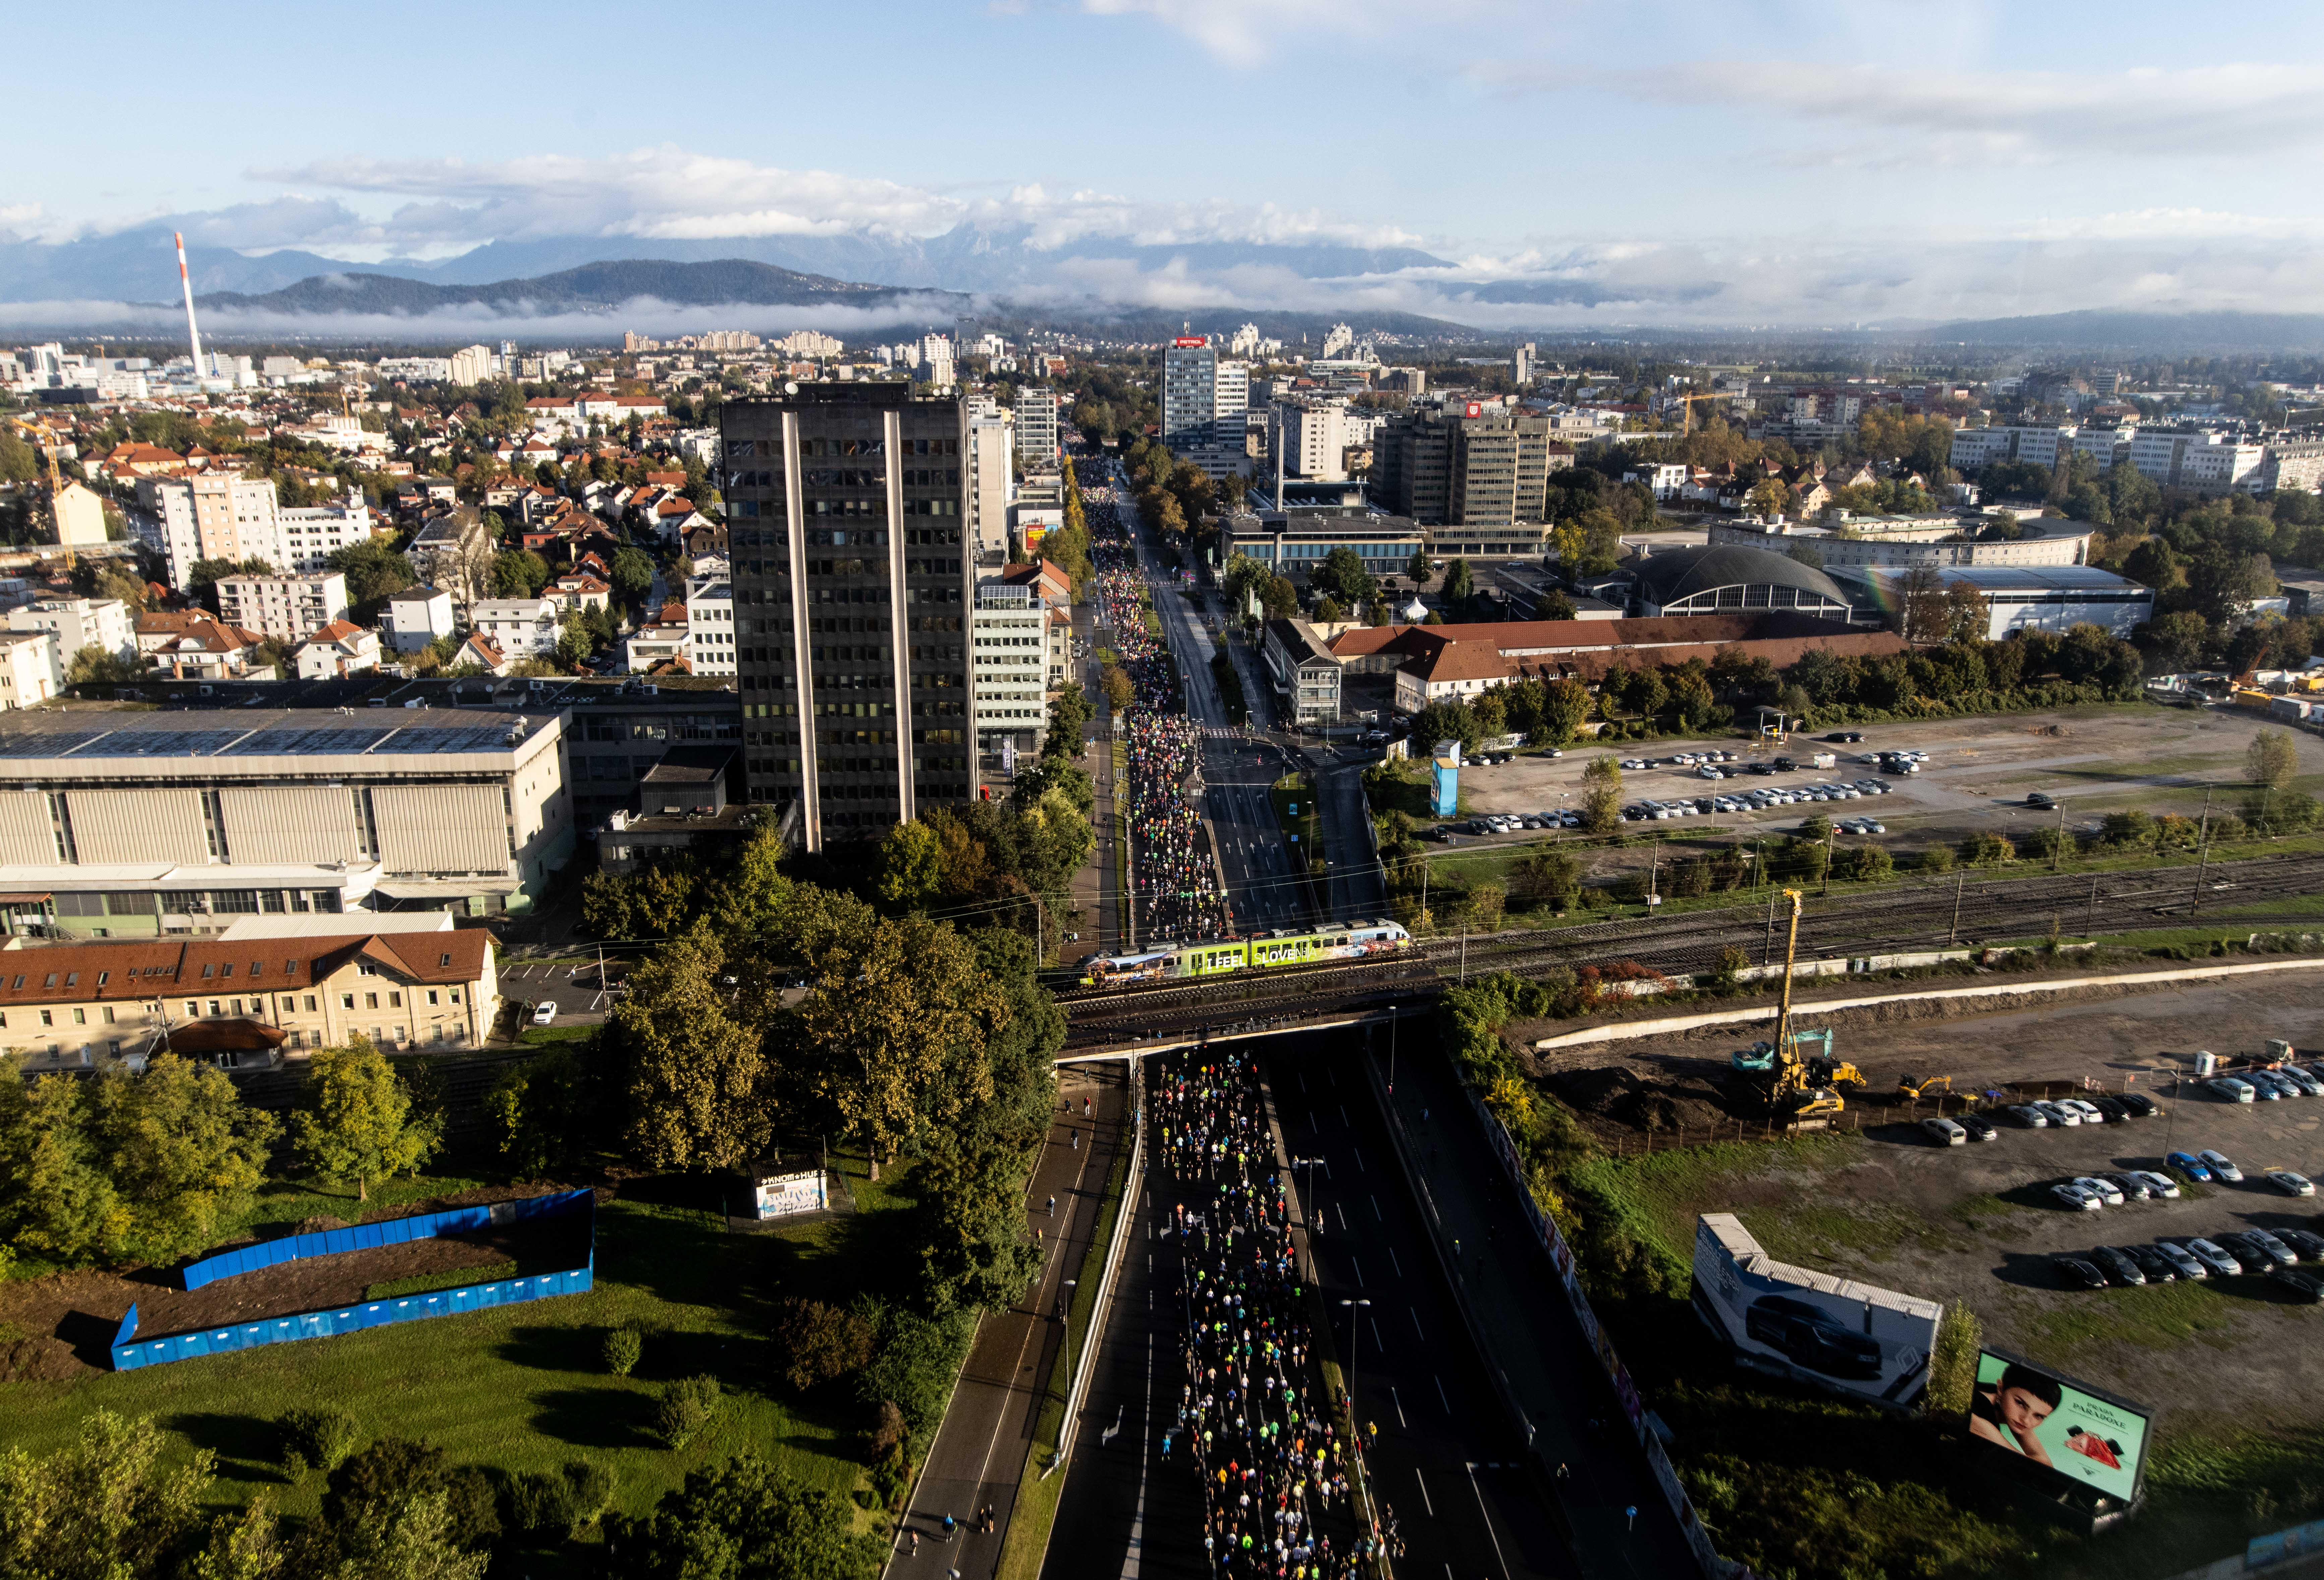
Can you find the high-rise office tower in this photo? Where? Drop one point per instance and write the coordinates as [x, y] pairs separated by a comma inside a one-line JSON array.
[[852, 593], [1036, 424], [1190, 393]]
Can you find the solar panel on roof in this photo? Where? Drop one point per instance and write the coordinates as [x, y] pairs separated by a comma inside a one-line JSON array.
[[448, 738], [307, 742], [46, 743], [162, 742]]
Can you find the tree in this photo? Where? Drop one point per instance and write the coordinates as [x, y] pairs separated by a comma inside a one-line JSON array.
[[1070, 714], [1417, 568], [1341, 573], [746, 1520], [1460, 583], [96, 666], [699, 1086], [2271, 760], [540, 1111], [374, 572], [910, 866], [1565, 705], [357, 1122], [183, 1151], [1447, 720], [1588, 543], [1768, 498], [1602, 806], [1552, 605], [397, 1511], [519, 573], [1115, 682], [634, 576], [102, 1508], [893, 1013], [56, 1200]]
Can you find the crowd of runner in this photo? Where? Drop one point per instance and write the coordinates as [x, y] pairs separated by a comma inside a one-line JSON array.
[[1252, 1415], [1178, 895]]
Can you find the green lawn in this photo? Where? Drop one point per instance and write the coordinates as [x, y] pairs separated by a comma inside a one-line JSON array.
[[521, 1388]]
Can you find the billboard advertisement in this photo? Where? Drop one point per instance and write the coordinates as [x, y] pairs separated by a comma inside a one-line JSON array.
[[1836, 1333], [2093, 1440], [778, 1196]]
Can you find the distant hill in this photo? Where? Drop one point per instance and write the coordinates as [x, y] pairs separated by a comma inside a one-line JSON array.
[[590, 288], [2165, 334]]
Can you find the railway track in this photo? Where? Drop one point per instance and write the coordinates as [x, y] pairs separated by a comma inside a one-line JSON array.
[[1926, 915]]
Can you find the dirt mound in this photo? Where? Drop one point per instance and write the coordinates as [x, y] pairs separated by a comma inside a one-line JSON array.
[[1660, 1100], [320, 1225]]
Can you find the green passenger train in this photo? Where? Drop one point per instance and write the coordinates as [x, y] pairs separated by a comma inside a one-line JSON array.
[[1172, 961]]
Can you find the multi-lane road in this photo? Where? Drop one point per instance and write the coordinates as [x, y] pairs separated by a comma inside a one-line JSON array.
[[1447, 1459]]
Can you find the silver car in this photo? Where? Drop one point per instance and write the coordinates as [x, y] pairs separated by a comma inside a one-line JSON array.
[[2181, 1262], [2063, 1118], [2161, 1186], [2230, 1088], [2213, 1257], [2026, 1114]]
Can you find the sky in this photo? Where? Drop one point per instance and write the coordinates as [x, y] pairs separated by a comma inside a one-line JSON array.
[[1656, 160]]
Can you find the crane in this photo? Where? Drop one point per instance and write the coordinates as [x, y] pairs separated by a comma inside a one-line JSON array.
[[1686, 408], [1807, 1084]]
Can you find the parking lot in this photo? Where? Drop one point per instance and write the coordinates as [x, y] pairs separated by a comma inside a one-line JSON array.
[[1978, 1221], [572, 988], [1976, 775]]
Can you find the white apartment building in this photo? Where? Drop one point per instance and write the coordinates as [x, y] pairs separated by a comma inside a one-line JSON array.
[[1009, 676], [2223, 467], [2105, 445], [1314, 440], [2295, 463], [220, 516], [525, 628], [75, 624], [1982, 446], [1244, 342], [287, 608], [28, 668], [472, 365], [1229, 404], [991, 453], [710, 625], [1036, 424], [417, 616]]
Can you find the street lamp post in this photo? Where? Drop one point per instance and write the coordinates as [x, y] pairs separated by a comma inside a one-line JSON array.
[[1351, 1306], [1315, 1216]]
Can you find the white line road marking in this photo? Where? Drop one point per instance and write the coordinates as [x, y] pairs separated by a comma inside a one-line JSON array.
[[1359, 1271], [1381, 1343], [1358, 1151], [1394, 1263], [1345, 1120], [1375, 1208], [1415, 1322], [1425, 1501], [1343, 1217], [1503, 1562], [1399, 1407], [1440, 1393]]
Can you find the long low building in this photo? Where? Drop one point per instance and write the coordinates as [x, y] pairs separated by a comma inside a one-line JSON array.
[[90, 1006], [2033, 597], [1432, 663], [127, 823]]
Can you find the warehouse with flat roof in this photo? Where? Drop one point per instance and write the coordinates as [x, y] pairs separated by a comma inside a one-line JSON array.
[[139, 825]]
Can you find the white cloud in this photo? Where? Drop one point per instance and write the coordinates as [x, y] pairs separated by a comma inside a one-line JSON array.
[[1925, 117], [1247, 34]]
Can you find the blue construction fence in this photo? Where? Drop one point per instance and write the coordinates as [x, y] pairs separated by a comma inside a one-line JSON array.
[[128, 1353]]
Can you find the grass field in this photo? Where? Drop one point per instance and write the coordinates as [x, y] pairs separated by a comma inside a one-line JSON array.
[[521, 1388]]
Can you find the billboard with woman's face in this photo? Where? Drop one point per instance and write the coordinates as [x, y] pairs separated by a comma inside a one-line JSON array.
[[2065, 1428]]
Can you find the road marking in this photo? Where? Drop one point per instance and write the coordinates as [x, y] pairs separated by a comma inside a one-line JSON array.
[[1359, 1271], [1343, 1117], [1394, 1263], [1380, 1342], [1473, 1487], [1376, 1208], [1425, 1501], [1415, 1322], [1399, 1408], [1145, 1456], [1358, 1151], [1440, 1393], [1343, 1217]]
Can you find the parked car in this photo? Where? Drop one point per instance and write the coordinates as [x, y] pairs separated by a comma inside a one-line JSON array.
[[2290, 1183], [2231, 1088], [2058, 1114], [2076, 1273], [1980, 1128], [2111, 1107], [2263, 1085], [2158, 1268], [2090, 1113], [2026, 1114], [2075, 1198], [2277, 1250], [2311, 1247], [2185, 1265], [2132, 1187], [2214, 1257], [2040, 802], [2118, 1265], [2254, 1257], [2108, 1191], [1944, 1132], [1808, 1337], [2308, 1085], [2161, 1186], [2299, 1283], [2140, 1105], [544, 1012], [2220, 1164]]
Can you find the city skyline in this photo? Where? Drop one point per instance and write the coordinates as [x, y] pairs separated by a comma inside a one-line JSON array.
[[1501, 165]]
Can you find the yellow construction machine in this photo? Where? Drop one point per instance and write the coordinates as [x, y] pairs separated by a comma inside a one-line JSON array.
[[1909, 1090], [1804, 1084]]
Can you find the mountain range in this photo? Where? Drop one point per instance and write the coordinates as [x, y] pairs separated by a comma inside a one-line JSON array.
[[601, 287]]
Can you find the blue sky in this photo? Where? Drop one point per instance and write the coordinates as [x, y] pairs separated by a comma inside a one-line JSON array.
[[1841, 160]]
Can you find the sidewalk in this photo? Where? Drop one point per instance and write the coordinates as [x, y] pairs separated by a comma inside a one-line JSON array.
[[1523, 1323], [979, 1454]]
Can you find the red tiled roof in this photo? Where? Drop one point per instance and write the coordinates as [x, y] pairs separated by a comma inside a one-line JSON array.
[[141, 969]]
